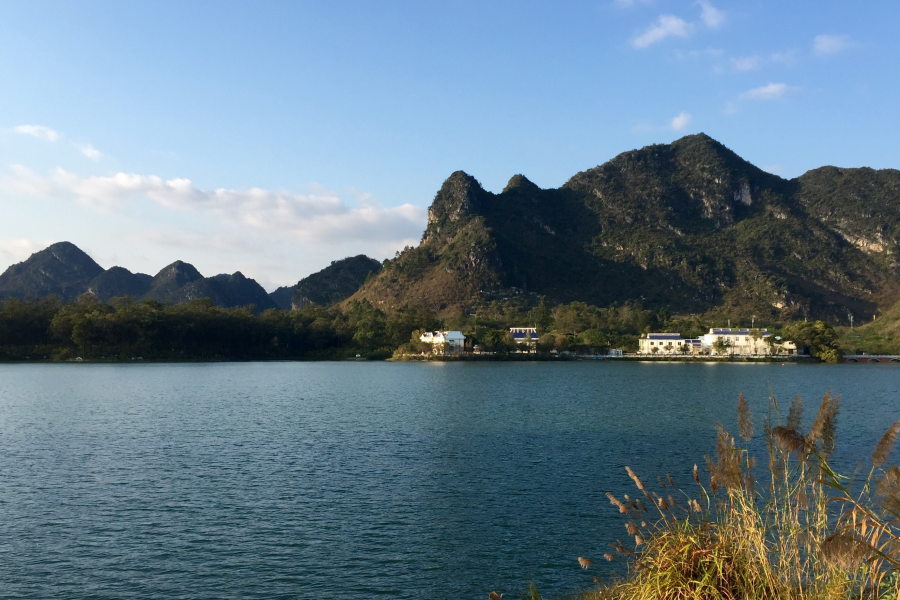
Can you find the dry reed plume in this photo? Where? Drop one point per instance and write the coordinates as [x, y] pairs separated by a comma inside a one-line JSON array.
[[804, 536]]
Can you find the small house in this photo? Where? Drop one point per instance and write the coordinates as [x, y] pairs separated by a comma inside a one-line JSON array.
[[445, 342]]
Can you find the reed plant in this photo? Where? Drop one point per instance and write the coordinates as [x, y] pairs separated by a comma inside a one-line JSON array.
[[802, 532]]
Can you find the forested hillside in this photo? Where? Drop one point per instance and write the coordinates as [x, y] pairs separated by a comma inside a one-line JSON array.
[[689, 226]]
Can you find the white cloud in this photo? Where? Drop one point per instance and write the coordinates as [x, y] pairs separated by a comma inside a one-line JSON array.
[[666, 26], [681, 121], [91, 152], [322, 216], [22, 180], [38, 131], [747, 63], [826, 45], [711, 16], [15, 251], [771, 91], [788, 57]]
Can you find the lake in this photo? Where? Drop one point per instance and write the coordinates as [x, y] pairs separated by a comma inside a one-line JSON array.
[[361, 480]]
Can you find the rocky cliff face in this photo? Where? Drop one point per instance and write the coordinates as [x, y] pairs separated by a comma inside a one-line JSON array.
[[860, 205]]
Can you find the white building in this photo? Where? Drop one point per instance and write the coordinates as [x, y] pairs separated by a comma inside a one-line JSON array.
[[445, 342], [660, 343], [524, 335], [745, 342], [668, 344]]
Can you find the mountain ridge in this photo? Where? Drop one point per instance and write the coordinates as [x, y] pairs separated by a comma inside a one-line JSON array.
[[688, 225]]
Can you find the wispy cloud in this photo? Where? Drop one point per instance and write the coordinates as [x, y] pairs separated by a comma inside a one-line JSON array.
[[681, 121], [91, 152], [787, 57], [668, 26], [38, 131], [665, 27], [771, 91], [24, 181], [321, 216], [711, 16], [744, 64], [826, 45]]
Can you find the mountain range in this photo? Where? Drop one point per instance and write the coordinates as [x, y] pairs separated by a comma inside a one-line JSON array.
[[690, 226], [64, 270]]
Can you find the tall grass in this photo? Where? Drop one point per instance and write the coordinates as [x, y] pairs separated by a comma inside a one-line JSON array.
[[803, 532]]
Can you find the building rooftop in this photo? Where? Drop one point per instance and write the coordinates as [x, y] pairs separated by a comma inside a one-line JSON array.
[[663, 336], [734, 331]]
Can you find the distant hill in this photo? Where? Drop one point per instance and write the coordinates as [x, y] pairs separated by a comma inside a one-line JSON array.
[[282, 297], [688, 225], [61, 269], [336, 282], [116, 282], [227, 291], [65, 271]]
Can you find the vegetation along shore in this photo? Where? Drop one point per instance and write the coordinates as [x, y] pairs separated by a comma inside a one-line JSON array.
[[734, 529], [678, 238]]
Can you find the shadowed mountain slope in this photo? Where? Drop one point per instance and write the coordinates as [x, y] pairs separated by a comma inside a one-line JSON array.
[[166, 284], [334, 283], [61, 269], [65, 271], [116, 282], [688, 225], [227, 291]]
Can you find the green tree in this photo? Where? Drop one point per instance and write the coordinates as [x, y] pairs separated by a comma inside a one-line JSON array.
[[721, 346], [817, 337], [540, 315]]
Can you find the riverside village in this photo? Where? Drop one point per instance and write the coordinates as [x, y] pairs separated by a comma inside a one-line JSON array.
[[717, 344]]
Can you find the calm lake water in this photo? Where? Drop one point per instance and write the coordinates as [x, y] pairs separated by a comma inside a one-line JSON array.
[[360, 480]]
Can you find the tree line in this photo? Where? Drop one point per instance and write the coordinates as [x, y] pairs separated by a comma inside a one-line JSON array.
[[126, 329]]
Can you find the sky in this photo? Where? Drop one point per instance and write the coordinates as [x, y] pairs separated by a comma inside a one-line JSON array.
[[275, 137]]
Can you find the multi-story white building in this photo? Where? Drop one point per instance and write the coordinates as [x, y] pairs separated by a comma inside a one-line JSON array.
[[726, 340], [661, 343], [745, 342], [445, 342]]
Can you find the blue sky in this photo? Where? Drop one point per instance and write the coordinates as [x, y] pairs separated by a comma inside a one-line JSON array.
[[275, 137]]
